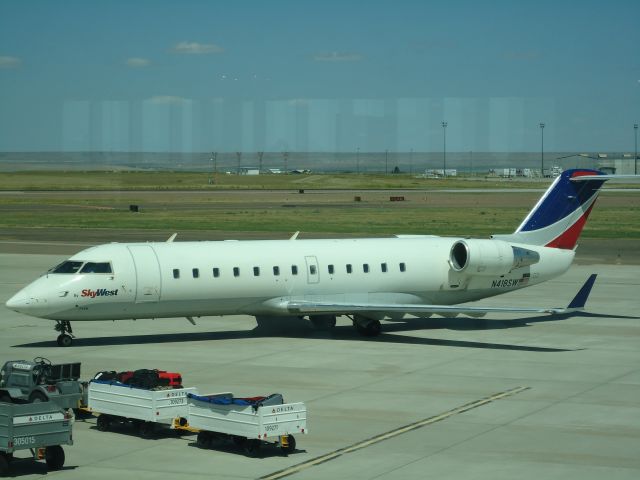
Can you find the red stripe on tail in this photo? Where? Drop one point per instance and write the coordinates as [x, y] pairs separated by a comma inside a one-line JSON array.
[[568, 239]]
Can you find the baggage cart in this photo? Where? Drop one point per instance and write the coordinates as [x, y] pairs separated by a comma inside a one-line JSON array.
[[42, 428], [246, 423], [145, 409]]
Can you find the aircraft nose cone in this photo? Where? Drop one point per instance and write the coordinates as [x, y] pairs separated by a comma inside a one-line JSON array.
[[19, 302]]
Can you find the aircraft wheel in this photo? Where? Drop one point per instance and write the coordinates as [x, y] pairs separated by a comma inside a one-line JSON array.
[[323, 322], [64, 340], [54, 456], [373, 328], [291, 445]]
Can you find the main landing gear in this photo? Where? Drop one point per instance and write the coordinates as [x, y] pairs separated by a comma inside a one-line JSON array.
[[65, 339], [367, 327]]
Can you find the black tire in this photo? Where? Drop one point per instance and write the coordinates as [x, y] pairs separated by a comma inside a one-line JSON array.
[[370, 329], [291, 445], [5, 398], [203, 440], [37, 397], [146, 429], [64, 340], [4, 465], [252, 447], [103, 423], [54, 456]]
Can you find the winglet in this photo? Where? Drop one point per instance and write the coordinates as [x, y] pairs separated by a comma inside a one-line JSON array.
[[580, 299]]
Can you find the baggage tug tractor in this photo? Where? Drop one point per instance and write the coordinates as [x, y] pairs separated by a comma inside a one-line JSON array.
[[23, 381]]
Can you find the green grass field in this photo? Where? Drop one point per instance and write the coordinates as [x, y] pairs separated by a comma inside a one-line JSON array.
[[89, 204]]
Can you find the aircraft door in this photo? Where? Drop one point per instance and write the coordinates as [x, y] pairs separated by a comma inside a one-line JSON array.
[[147, 273], [313, 273]]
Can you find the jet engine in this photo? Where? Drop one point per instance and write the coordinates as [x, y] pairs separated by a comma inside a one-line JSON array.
[[489, 257]]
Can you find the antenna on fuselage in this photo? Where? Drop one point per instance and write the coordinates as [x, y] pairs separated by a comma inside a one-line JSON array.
[[295, 235], [172, 238]]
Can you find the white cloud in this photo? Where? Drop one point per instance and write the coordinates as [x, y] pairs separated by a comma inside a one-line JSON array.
[[137, 62], [10, 62], [337, 57], [167, 99], [192, 48]]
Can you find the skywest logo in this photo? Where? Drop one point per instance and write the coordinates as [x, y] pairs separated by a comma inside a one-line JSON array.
[[101, 292]]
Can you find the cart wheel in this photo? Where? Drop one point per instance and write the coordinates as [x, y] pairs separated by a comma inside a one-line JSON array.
[[54, 456], [203, 440], [291, 445], [146, 429], [37, 397], [104, 423], [5, 398], [4, 465], [252, 447]]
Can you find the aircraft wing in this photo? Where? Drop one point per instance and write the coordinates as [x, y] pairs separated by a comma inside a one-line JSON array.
[[304, 307]]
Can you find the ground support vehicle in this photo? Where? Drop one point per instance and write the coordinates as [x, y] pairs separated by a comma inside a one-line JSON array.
[[41, 428], [248, 423], [117, 403], [40, 381]]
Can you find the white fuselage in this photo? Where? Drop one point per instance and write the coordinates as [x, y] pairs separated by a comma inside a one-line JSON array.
[[191, 279]]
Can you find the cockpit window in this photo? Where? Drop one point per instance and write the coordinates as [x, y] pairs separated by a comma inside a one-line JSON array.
[[93, 267], [70, 266]]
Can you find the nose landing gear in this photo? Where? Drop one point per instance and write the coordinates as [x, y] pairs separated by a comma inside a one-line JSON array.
[[65, 339]]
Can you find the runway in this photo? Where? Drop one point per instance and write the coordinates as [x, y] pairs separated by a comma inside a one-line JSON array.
[[425, 399]]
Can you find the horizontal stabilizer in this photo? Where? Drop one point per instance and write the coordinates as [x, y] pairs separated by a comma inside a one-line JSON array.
[[580, 299]]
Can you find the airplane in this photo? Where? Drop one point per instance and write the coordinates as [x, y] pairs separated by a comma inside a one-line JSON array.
[[365, 279]]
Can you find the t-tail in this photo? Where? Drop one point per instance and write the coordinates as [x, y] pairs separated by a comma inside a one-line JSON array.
[[559, 216]]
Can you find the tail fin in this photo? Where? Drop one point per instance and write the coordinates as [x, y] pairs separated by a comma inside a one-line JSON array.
[[559, 216]]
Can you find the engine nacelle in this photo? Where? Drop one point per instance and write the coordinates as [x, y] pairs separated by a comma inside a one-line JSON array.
[[489, 257]]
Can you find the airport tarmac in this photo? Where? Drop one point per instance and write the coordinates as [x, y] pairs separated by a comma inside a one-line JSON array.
[[503, 397]]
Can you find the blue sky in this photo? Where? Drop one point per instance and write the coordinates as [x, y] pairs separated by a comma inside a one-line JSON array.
[[318, 76]]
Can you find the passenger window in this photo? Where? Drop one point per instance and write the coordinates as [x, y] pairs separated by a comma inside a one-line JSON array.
[[331, 270], [196, 273], [294, 269], [176, 273], [216, 272], [70, 266], [383, 267], [349, 269], [93, 267], [365, 267], [403, 267], [312, 269], [236, 272], [256, 271], [276, 271]]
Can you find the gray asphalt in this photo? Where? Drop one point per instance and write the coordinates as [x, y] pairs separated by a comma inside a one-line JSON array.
[[577, 414]]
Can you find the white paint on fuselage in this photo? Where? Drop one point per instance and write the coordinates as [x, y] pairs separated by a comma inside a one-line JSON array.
[[140, 288]]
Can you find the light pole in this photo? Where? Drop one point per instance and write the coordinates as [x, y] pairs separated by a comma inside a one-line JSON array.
[[542, 149], [444, 149], [411, 161], [635, 150]]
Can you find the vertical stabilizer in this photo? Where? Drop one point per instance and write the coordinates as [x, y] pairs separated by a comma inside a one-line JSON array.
[[559, 216]]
